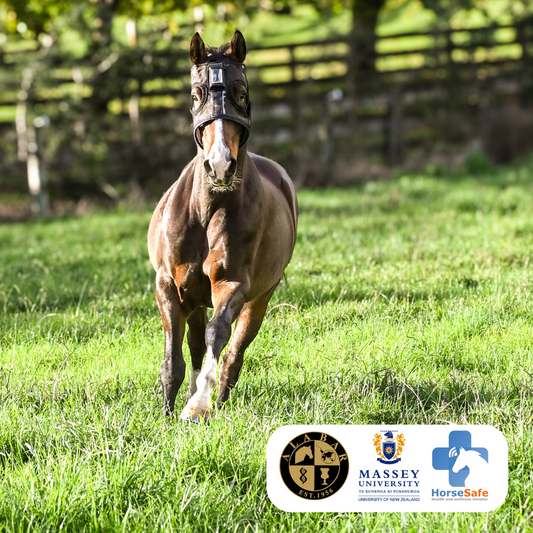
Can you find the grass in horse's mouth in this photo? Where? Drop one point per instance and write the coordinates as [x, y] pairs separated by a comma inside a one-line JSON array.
[[233, 185]]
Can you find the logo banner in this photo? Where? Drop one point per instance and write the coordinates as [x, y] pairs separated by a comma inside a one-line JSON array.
[[387, 468]]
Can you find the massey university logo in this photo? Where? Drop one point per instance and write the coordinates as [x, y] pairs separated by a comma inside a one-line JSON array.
[[467, 466], [389, 448], [314, 465]]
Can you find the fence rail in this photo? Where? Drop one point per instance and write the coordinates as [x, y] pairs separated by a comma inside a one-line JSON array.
[[124, 118]]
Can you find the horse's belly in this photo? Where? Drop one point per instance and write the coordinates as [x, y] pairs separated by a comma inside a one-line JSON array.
[[273, 254]]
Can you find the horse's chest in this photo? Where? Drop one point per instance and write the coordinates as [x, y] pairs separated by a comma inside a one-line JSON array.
[[192, 269], [201, 256], [194, 287]]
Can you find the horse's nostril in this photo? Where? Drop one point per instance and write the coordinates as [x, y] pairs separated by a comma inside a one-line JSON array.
[[207, 166], [232, 167]]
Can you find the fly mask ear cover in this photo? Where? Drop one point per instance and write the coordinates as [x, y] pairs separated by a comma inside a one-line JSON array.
[[217, 82]]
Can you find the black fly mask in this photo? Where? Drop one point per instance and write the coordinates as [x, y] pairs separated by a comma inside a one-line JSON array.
[[223, 90]]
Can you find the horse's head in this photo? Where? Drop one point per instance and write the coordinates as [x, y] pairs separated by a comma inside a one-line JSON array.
[[220, 108]]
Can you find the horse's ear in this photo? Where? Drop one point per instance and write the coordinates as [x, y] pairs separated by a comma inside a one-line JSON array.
[[198, 53], [237, 47], [461, 449]]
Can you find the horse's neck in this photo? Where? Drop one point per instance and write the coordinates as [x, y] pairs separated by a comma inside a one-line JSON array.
[[206, 203]]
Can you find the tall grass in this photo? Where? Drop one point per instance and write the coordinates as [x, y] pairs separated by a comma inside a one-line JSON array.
[[406, 302]]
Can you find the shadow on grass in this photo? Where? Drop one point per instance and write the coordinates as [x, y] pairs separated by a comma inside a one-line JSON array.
[[386, 397], [306, 296]]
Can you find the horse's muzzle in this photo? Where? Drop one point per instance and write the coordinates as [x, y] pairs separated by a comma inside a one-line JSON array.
[[220, 175]]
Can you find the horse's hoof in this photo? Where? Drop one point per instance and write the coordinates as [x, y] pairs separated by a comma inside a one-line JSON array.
[[195, 414], [168, 411]]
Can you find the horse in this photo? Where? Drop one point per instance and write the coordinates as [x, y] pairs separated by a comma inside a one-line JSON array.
[[220, 237], [476, 464]]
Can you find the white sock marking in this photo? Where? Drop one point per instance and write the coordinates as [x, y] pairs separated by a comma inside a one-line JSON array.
[[205, 382]]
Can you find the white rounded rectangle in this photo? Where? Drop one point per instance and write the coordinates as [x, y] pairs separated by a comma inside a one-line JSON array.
[[387, 468]]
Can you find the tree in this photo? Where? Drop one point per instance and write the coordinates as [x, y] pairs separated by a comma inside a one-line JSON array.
[[446, 9], [364, 21], [39, 15]]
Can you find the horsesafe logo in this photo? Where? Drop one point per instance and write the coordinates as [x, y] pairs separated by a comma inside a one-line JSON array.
[[467, 466], [389, 448], [314, 465]]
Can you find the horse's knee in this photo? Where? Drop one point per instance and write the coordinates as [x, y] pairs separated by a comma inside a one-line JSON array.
[[173, 368], [229, 375], [232, 366], [217, 334], [172, 375]]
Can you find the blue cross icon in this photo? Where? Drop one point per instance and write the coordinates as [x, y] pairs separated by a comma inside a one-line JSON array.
[[444, 458]]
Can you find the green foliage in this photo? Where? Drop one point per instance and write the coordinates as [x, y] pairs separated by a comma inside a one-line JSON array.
[[40, 15], [477, 163], [405, 302], [36, 14], [446, 8]]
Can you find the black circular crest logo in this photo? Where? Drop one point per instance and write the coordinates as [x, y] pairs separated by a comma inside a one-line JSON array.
[[314, 465]]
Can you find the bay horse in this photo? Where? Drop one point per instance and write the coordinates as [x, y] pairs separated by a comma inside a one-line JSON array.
[[220, 237]]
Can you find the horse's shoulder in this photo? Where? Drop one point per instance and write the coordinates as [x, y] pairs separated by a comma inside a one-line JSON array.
[[188, 171], [278, 176], [170, 195], [269, 169]]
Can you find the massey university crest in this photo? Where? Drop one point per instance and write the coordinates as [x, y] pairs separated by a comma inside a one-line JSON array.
[[388, 447]]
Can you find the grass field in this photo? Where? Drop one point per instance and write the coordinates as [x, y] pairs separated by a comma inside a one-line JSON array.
[[406, 302]]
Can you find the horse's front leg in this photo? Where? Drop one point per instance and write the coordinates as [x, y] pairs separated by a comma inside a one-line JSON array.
[[248, 324], [173, 366], [228, 299]]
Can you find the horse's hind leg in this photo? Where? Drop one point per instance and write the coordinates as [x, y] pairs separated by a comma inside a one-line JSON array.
[[196, 340], [173, 366], [246, 330]]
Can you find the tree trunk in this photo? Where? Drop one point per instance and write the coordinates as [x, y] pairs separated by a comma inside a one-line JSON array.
[[100, 51], [364, 20]]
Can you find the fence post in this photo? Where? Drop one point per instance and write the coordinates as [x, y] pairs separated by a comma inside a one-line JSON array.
[[133, 104], [351, 74], [299, 135], [522, 40], [328, 152], [36, 173], [392, 135], [451, 67]]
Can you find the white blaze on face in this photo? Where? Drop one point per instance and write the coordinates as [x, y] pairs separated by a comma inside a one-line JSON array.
[[219, 155]]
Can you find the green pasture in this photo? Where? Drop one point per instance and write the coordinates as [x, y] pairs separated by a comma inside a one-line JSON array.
[[406, 302]]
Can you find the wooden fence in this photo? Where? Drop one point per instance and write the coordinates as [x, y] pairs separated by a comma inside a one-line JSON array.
[[122, 121]]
